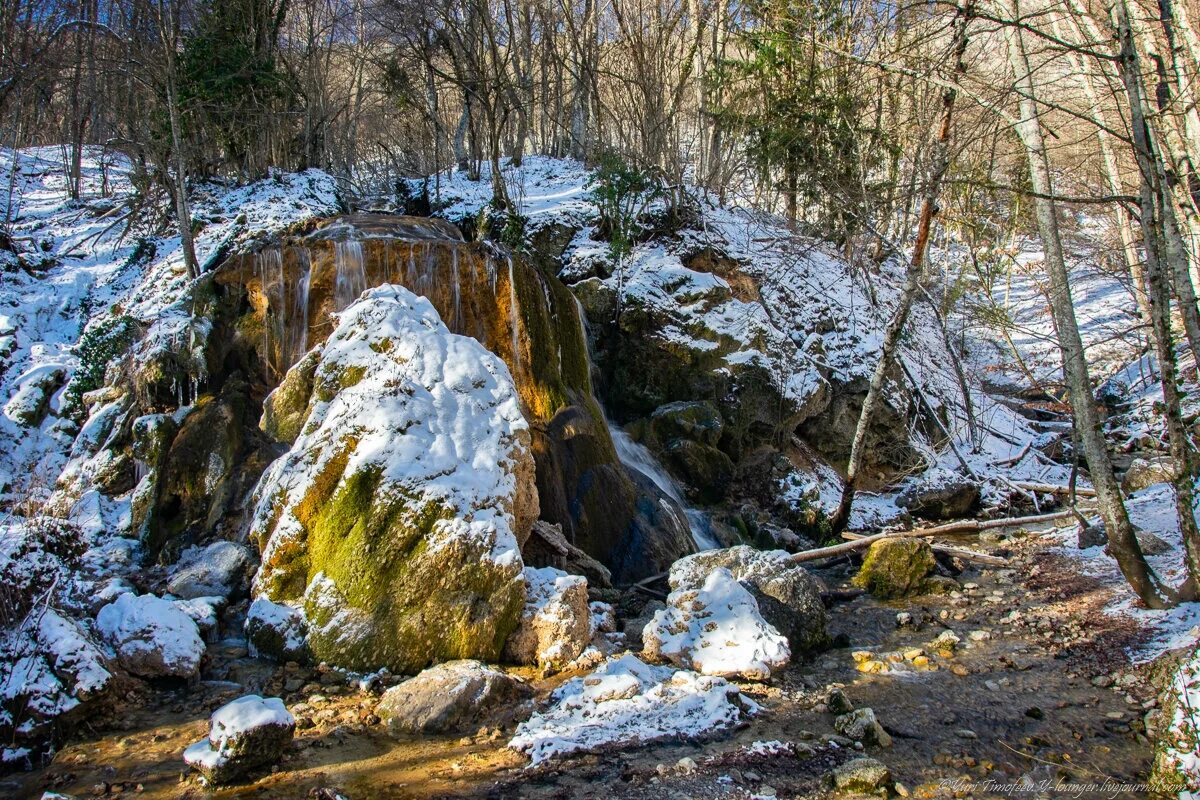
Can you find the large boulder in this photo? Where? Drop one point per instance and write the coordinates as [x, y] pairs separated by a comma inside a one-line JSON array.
[[395, 518], [896, 567], [1145, 472], [939, 494], [716, 630], [222, 569], [247, 734], [789, 598], [555, 625], [450, 698], [152, 637]]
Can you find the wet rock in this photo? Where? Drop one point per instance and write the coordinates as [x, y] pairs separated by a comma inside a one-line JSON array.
[[939, 494], [789, 598], [716, 630], [153, 638], [451, 698], [896, 567], [860, 775], [276, 631], [221, 569], [862, 726], [555, 624], [1145, 472], [247, 734]]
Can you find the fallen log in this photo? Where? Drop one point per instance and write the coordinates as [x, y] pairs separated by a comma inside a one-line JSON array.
[[954, 552], [957, 528], [1051, 488]]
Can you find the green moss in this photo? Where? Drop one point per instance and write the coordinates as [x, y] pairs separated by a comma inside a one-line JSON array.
[[98, 346], [416, 605], [896, 567]]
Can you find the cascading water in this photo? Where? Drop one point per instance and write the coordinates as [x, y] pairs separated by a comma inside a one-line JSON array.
[[351, 273], [512, 315], [638, 457]]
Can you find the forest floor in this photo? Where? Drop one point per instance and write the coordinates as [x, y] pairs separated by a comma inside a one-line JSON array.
[[1042, 688]]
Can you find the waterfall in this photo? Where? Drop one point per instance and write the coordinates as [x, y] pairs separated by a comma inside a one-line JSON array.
[[457, 291], [351, 271], [512, 315], [638, 457], [296, 343]]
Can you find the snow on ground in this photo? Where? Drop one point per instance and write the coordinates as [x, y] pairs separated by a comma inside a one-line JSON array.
[[67, 266], [1180, 751], [808, 318], [626, 702], [78, 263]]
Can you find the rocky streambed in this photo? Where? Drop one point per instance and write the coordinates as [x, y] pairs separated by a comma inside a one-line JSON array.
[[1001, 681]]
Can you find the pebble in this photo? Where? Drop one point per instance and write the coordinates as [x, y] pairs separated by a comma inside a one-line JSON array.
[[1102, 681], [979, 635], [966, 733], [767, 791], [686, 765]]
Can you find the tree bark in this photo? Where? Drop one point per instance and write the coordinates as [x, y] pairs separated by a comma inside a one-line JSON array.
[[940, 158], [1123, 544]]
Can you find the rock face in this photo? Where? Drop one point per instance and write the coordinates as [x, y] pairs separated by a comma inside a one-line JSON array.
[[248, 734], [716, 630], [395, 517], [548, 547], [222, 569], [517, 309], [897, 567], [788, 597], [555, 624], [454, 697], [153, 637]]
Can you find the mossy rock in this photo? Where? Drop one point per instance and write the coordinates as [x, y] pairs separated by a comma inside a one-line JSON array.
[[706, 470], [286, 408], [896, 567], [697, 421]]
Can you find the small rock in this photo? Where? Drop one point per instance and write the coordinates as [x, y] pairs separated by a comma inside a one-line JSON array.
[[247, 734], [966, 733], [838, 702], [860, 775], [450, 698], [862, 726]]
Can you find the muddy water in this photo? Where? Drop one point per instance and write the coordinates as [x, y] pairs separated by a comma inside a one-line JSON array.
[[1019, 703]]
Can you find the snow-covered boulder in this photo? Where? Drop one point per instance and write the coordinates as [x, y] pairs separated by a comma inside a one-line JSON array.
[[717, 630], [247, 734], [222, 569], [555, 624], [277, 631], [789, 597], [453, 697], [152, 637], [205, 612], [939, 494], [395, 518], [30, 402], [626, 702]]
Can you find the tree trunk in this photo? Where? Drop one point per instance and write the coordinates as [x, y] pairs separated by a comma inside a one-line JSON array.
[[1156, 209], [940, 162], [1123, 544]]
